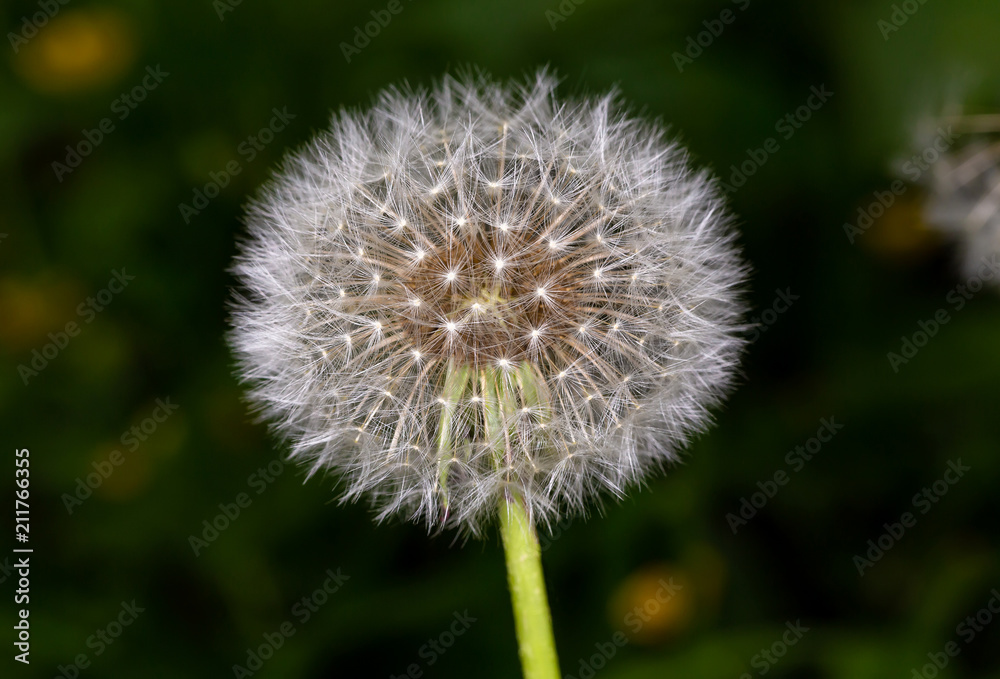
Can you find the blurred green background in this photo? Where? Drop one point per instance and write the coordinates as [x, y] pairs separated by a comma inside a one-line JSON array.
[[223, 67]]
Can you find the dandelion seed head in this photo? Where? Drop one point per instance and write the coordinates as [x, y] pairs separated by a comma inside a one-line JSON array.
[[449, 336], [963, 188]]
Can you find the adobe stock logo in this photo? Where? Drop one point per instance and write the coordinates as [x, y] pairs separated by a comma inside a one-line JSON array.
[[132, 438], [967, 630], [122, 107], [924, 501], [914, 168], [785, 126], [230, 511], [796, 459], [901, 13], [437, 646], [87, 310], [566, 7], [783, 301], [768, 657], [249, 149], [36, 22], [957, 298], [695, 45], [635, 620], [303, 610], [363, 36]]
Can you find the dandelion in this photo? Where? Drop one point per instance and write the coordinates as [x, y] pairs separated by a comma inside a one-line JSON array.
[[579, 310], [964, 192]]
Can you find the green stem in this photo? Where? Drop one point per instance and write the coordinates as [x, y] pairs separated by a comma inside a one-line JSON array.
[[527, 591], [533, 622]]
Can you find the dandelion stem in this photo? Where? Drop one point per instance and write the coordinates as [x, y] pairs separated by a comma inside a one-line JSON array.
[[527, 591]]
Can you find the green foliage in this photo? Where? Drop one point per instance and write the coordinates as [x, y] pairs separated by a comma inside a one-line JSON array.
[[233, 67]]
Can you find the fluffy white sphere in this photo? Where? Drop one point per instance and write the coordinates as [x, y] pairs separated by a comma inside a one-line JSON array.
[[964, 202], [482, 289]]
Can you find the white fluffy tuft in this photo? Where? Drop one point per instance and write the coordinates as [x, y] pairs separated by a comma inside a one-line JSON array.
[[963, 186], [483, 288]]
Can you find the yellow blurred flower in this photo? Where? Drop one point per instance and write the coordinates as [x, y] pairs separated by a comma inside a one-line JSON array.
[[77, 50], [654, 604], [660, 601], [31, 308]]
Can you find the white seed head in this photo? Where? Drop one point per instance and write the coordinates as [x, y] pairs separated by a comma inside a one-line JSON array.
[[540, 358], [963, 185]]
